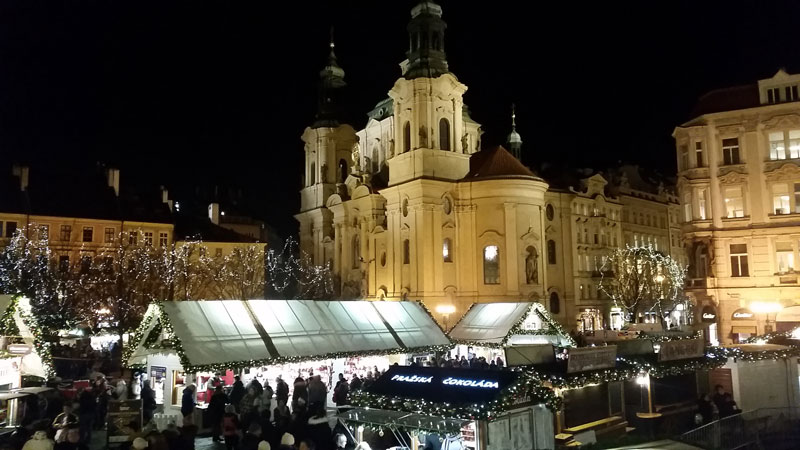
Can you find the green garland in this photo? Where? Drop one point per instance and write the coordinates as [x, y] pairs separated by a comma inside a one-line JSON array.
[[761, 355], [553, 327], [656, 338], [8, 325], [527, 386], [136, 339], [152, 338], [39, 343], [774, 336]]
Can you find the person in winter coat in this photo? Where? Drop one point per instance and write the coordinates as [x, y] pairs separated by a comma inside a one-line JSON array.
[[281, 390], [230, 427], [148, 402], [237, 392], [39, 441], [73, 441], [257, 385], [248, 408], [121, 390], [87, 411], [340, 391], [317, 393], [63, 422], [355, 383], [216, 409], [319, 430], [300, 395], [188, 404]]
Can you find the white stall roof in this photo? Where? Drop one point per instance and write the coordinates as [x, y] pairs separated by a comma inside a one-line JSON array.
[[489, 322], [223, 331]]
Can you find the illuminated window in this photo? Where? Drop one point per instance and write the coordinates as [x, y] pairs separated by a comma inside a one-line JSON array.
[[730, 151], [701, 204], [491, 265], [733, 202], [444, 134], [780, 198], [447, 254], [784, 254], [739, 266], [108, 235]]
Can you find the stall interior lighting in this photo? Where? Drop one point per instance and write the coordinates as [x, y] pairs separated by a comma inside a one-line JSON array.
[[643, 380], [445, 309]]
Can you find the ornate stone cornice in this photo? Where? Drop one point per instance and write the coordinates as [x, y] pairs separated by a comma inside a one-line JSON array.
[[782, 121], [788, 171], [732, 176]]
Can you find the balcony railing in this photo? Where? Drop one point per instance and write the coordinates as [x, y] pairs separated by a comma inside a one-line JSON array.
[[767, 428]]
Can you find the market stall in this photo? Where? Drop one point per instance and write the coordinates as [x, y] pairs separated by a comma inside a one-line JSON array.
[[486, 328], [22, 343], [182, 343], [480, 409], [15, 404]]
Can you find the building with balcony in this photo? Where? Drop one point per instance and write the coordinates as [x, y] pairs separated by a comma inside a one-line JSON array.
[[739, 189]]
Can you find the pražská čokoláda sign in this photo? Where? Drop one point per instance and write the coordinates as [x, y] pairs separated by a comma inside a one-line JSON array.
[[449, 381]]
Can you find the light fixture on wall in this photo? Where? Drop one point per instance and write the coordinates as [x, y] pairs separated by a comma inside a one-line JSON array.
[[445, 311]]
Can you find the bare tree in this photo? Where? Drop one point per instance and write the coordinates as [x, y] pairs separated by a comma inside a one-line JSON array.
[[194, 271], [640, 278], [292, 274], [239, 275]]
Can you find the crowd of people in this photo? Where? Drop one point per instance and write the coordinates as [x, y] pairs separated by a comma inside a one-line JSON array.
[[474, 362], [79, 361], [717, 406]]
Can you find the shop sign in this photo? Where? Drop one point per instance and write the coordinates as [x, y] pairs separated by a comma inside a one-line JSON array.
[[449, 381], [19, 349], [681, 349], [158, 372], [591, 358], [742, 314], [709, 314]]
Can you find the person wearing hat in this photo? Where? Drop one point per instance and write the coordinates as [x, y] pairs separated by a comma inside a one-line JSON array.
[[139, 443], [287, 442], [39, 441]]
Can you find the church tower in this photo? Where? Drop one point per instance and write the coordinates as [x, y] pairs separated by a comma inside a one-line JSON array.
[[514, 140], [328, 145], [429, 134]]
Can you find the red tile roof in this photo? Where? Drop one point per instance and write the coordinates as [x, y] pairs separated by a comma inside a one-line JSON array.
[[496, 162]]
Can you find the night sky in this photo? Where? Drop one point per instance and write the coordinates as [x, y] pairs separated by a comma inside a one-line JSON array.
[[175, 92]]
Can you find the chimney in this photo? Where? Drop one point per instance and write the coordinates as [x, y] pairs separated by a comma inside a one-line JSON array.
[[22, 173], [165, 197], [213, 213], [113, 180]]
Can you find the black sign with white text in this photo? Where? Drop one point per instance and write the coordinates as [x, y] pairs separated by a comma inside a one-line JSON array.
[[443, 385]]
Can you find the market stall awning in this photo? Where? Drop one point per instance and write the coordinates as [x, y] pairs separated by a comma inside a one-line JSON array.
[[233, 331], [401, 420], [498, 324]]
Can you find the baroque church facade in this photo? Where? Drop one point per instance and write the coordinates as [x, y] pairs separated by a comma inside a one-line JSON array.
[[409, 207]]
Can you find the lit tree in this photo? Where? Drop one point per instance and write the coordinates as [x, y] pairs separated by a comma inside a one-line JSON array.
[[193, 271], [292, 274], [29, 268], [238, 275], [115, 288], [640, 278]]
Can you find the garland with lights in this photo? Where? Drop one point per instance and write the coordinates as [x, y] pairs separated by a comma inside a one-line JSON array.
[[552, 328], [528, 387], [177, 346], [774, 336], [8, 325], [760, 355], [136, 337], [39, 343], [152, 338], [657, 338]]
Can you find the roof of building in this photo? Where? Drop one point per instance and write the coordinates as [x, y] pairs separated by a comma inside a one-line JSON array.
[[191, 227], [496, 323], [727, 99], [496, 162], [86, 196]]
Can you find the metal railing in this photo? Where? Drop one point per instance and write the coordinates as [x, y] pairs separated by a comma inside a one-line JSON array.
[[766, 428]]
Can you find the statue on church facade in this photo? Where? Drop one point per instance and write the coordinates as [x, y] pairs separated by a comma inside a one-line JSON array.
[[355, 157], [532, 266], [465, 143]]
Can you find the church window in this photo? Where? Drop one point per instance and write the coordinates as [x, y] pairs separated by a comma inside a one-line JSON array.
[[406, 251], [312, 175], [405, 207], [407, 137], [437, 42], [491, 265], [551, 252], [550, 212], [447, 250], [444, 134], [356, 251], [375, 159], [555, 303], [342, 170]]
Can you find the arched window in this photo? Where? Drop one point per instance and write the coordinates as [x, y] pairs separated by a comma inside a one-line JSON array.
[[555, 304], [312, 177], [342, 170], [356, 251], [491, 265], [375, 159], [406, 137], [437, 42], [551, 252], [406, 252], [447, 250], [444, 134]]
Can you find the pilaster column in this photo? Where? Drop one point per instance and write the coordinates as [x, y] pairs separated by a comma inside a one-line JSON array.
[[458, 125]]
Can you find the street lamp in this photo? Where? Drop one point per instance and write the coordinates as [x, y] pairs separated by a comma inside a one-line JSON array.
[[766, 308], [445, 311]]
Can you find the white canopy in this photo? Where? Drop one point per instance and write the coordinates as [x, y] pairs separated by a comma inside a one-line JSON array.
[[222, 331], [493, 323]]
